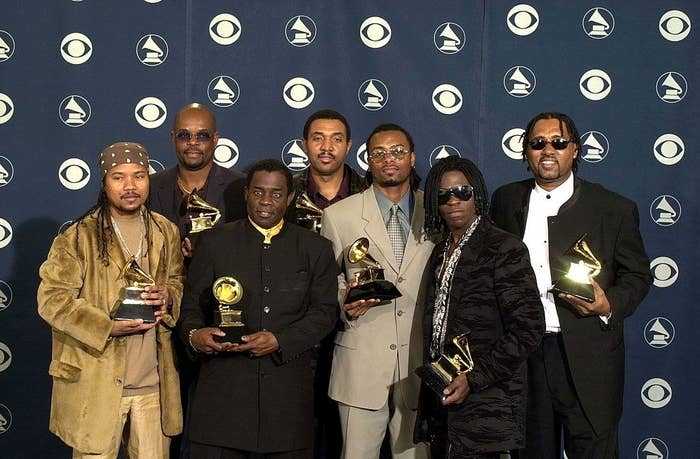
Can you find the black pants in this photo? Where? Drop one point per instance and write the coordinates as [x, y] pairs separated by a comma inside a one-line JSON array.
[[553, 405], [202, 451]]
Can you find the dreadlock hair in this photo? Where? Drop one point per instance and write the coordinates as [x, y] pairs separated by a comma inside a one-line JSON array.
[[434, 223], [564, 120], [414, 178]]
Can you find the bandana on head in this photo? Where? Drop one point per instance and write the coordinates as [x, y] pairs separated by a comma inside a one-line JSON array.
[[123, 153]]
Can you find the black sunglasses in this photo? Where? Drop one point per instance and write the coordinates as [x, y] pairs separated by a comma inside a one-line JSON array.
[[461, 192], [184, 136], [559, 143]]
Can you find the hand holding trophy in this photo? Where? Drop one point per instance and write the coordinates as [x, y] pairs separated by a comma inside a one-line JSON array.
[[131, 305], [455, 360], [228, 292], [370, 280], [576, 281]]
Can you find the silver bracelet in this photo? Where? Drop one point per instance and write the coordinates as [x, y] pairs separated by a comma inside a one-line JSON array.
[[189, 338]]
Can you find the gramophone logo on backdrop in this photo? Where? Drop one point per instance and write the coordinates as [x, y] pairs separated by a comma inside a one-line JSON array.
[[5, 419], [74, 173], [293, 156], [5, 356], [594, 146], [226, 153], [665, 210], [665, 271], [595, 84], [152, 50], [74, 110], [447, 99], [442, 151], [656, 393], [659, 332], [674, 25], [5, 233], [449, 38], [7, 108], [150, 112], [223, 91], [7, 171], [361, 157], [7, 45], [225, 29], [522, 19], [373, 94], [669, 149], [512, 143], [671, 87], [652, 448], [598, 23], [519, 81], [76, 48], [298, 92], [375, 32], [6, 295], [154, 166], [300, 31]]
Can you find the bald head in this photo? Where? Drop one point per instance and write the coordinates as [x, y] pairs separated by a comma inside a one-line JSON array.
[[194, 137], [195, 107]]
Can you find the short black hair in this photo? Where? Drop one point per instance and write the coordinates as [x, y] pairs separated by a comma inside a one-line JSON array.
[[270, 165], [326, 114], [415, 178], [564, 120], [434, 223]]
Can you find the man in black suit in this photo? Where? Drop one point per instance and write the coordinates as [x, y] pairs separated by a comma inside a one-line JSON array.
[[255, 395], [576, 375]]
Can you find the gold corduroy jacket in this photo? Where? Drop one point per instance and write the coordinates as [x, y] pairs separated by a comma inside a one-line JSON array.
[[75, 297]]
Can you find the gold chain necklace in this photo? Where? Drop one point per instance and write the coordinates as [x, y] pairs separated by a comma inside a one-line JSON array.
[[122, 242]]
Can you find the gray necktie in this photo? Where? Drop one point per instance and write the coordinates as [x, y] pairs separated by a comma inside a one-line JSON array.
[[393, 227]]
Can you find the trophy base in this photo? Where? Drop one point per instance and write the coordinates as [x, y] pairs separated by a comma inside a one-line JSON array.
[[433, 379], [233, 334], [382, 290], [573, 288], [131, 311]]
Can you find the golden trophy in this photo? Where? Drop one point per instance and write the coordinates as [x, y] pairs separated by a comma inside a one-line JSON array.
[[228, 292], [576, 281], [455, 360], [308, 214], [131, 305], [202, 215], [370, 279]]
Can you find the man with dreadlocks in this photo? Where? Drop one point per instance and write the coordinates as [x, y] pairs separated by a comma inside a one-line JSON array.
[[110, 373], [483, 285]]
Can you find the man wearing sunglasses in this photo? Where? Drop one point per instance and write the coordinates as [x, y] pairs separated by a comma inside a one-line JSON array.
[[379, 346], [576, 374]]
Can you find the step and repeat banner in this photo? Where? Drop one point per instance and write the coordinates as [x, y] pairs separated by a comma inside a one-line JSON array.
[[463, 76]]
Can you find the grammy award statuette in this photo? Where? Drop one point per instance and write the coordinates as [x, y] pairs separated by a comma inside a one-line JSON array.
[[229, 292], [131, 305], [200, 214], [370, 279], [455, 360], [582, 266]]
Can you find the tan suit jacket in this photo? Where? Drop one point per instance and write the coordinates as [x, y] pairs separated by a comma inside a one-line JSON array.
[[368, 348]]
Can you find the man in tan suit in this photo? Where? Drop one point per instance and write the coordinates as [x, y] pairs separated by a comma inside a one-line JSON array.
[[372, 378]]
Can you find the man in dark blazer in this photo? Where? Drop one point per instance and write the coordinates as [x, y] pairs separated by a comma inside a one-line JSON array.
[[576, 376], [255, 395]]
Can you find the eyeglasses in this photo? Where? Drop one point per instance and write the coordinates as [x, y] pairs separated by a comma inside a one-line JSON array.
[[461, 192], [184, 136], [379, 154], [558, 143]]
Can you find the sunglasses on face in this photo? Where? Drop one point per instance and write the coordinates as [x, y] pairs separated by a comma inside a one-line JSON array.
[[379, 154], [184, 136], [461, 192], [558, 143]]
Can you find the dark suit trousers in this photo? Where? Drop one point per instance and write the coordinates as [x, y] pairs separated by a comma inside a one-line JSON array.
[[553, 405], [202, 451]]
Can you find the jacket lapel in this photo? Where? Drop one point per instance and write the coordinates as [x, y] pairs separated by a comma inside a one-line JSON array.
[[379, 243], [416, 235]]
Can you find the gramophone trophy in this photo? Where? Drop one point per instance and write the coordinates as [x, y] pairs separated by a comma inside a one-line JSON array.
[[371, 282], [576, 281], [455, 360], [131, 305], [228, 292], [308, 214], [202, 215]]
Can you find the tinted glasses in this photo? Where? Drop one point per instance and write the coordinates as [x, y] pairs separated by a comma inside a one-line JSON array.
[[184, 136], [461, 192], [558, 143]]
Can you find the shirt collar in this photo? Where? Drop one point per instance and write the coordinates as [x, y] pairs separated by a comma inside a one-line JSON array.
[[385, 204], [268, 233], [559, 195]]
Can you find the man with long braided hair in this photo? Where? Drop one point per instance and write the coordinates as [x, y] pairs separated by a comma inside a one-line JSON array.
[[482, 285], [109, 373]]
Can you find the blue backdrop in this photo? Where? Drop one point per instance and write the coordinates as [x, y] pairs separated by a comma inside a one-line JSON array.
[[462, 76]]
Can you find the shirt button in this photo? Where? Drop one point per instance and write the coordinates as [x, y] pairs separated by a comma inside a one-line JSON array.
[[392, 347], [400, 279], [266, 246], [266, 289], [267, 269], [399, 313], [266, 309], [118, 381]]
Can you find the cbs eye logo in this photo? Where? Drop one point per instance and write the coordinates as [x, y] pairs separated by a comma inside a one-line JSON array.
[[226, 153], [522, 20], [512, 143], [375, 32], [656, 393], [150, 112], [595, 84], [7, 108], [74, 173], [5, 357], [225, 29], [669, 149], [361, 157], [298, 92], [447, 99], [665, 271], [674, 25], [76, 48], [5, 233]]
